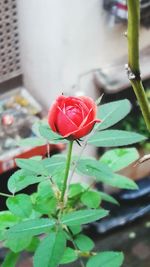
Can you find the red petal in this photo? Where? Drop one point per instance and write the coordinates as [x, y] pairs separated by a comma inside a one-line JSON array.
[[83, 131], [88, 101], [52, 115], [64, 125], [61, 101], [53, 111], [87, 119], [74, 113]]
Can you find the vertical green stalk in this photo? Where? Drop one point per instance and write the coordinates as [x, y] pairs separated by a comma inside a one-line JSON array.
[[66, 170], [133, 35], [133, 58]]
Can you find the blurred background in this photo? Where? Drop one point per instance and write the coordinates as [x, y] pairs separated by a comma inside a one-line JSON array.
[[52, 43]]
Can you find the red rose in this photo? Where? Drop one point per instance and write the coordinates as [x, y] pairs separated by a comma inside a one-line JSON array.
[[72, 117]]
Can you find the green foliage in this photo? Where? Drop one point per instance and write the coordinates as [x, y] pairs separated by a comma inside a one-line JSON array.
[[21, 179], [105, 259], [83, 216], [76, 229], [92, 167], [17, 242], [135, 122], [45, 201], [45, 205], [104, 174], [75, 190], [121, 181], [33, 244], [108, 198], [91, 199], [54, 164], [115, 138], [20, 205], [49, 135], [70, 255], [52, 249], [113, 112], [84, 243], [32, 142], [7, 219], [32, 165], [44, 189], [118, 159], [43, 135], [30, 228]]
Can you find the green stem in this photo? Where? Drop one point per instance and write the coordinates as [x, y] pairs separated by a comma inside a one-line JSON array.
[[133, 35], [75, 246], [133, 58], [66, 171], [5, 195], [142, 100]]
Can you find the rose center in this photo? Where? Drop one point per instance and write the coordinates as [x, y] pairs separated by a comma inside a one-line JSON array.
[[75, 114]]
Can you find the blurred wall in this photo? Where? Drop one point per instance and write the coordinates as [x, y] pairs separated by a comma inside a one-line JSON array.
[[60, 39]]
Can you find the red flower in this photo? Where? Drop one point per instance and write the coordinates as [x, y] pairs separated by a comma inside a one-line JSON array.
[[72, 117]]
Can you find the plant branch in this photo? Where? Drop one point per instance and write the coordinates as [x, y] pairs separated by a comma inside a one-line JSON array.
[[75, 246], [66, 171], [77, 161], [5, 195], [133, 35], [133, 58]]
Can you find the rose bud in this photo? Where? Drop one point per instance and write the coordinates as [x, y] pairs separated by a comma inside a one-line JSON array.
[[72, 117]]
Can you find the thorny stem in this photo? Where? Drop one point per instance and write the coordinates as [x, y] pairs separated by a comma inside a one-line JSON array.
[[66, 171], [133, 58], [142, 100]]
